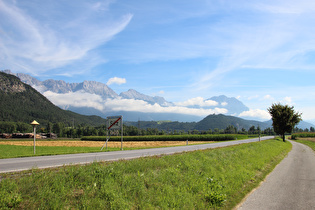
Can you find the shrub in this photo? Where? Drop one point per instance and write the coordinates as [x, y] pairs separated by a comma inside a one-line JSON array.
[[303, 135]]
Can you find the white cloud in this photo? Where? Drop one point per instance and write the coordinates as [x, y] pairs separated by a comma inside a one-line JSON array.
[[162, 92], [142, 106], [276, 38], [256, 113], [116, 80], [198, 101], [83, 99], [268, 97], [76, 99], [224, 103], [38, 41], [307, 113], [287, 100], [290, 8]]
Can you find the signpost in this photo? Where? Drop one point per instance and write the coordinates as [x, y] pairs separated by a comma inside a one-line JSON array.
[[114, 122], [34, 123]]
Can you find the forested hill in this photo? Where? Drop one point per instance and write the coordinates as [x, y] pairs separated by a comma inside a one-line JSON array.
[[20, 102], [221, 121], [212, 122]]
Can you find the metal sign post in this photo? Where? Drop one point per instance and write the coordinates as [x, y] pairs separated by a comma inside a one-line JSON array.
[[114, 122]]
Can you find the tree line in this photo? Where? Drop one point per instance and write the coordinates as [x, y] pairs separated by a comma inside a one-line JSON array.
[[66, 131]]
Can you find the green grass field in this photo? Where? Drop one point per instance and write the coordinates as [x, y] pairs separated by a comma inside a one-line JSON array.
[[213, 178], [311, 144], [12, 151]]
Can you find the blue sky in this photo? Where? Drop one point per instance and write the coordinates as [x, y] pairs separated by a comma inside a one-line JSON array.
[[261, 52]]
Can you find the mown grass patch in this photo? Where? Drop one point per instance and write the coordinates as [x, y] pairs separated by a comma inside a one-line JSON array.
[[213, 178], [13, 151], [310, 143], [64, 147]]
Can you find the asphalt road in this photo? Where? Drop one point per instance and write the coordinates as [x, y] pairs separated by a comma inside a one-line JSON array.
[[20, 164], [291, 185]]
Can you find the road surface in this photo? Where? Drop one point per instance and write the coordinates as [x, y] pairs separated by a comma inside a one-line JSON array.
[[291, 185], [20, 164]]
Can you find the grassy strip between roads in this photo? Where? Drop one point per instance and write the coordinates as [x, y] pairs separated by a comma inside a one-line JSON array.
[[311, 144], [13, 151], [192, 180]]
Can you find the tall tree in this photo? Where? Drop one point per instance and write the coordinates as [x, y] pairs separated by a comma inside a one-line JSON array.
[[284, 118]]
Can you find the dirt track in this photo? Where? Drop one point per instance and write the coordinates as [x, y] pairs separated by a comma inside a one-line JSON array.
[[99, 143]]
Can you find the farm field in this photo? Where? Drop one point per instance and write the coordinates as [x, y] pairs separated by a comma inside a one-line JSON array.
[[212, 178], [16, 148], [128, 144]]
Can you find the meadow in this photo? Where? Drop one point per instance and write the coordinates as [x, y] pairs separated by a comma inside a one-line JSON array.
[[207, 179], [24, 148], [307, 141], [307, 138]]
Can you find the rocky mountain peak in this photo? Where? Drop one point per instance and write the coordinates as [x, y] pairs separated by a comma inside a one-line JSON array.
[[60, 86], [98, 88], [57, 86], [10, 84], [133, 94], [233, 105]]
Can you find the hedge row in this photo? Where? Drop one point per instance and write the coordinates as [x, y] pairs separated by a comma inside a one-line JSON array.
[[303, 135], [223, 137]]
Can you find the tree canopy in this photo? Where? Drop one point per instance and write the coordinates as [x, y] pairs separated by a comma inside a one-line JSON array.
[[284, 118]]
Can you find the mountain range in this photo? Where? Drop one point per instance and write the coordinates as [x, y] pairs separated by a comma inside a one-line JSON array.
[[96, 98], [20, 102]]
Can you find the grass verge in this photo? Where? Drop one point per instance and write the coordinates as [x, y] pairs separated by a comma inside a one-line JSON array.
[[213, 178], [22, 150], [13, 151], [311, 144]]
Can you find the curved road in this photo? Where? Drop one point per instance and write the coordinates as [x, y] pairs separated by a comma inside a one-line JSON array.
[[20, 164], [291, 185]]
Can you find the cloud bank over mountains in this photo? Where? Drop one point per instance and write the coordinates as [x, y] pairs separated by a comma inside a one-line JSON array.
[[92, 97]]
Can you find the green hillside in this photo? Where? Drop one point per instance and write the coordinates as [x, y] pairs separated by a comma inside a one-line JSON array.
[[20, 102], [221, 121], [212, 122]]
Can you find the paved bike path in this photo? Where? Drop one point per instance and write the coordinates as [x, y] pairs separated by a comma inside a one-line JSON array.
[[291, 185]]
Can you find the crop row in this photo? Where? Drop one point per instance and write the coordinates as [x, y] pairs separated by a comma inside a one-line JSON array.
[[303, 135], [225, 137]]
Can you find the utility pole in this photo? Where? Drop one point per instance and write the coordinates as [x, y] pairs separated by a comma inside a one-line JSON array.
[[139, 132]]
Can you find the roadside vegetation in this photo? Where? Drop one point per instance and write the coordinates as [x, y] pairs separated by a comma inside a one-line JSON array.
[[14, 151], [308, 142], [196, 137], [303, 135], [213, 178], [25, 148], [307, 138]]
